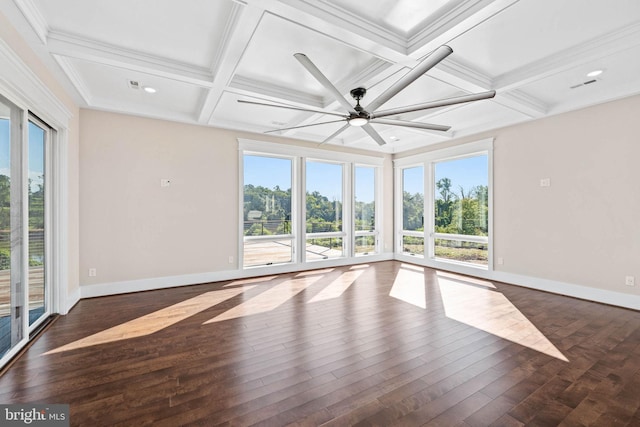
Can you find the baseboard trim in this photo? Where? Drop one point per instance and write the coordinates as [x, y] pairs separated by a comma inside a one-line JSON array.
[[70, 301], [568, 289], [619, 299], [128, 286]]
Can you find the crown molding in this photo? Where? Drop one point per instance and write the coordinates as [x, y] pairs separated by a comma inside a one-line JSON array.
[[75, 78], [73, 46], [26, 89], [33, 16], [523, 103]]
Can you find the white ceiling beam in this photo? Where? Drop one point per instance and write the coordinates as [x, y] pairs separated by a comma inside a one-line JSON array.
[[72, 46], [340, 24], [240, 28]]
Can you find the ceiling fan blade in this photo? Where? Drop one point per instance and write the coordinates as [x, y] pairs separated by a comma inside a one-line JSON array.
[[291, 107], [373, 134], [315, 72], [336, 133], [429, 62], [419, 125], [435, 104], [306, 126]]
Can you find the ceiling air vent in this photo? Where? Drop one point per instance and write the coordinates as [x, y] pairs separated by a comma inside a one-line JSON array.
[[134, 84], [588, 82]]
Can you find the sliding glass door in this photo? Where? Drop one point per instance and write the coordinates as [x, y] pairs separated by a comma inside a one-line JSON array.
[[12, 328], [24, 293]]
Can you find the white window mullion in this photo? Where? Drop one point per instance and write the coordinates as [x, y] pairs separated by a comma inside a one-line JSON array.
[[302, 211]]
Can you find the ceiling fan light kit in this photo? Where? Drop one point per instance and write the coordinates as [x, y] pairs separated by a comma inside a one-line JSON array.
[[363, 117]]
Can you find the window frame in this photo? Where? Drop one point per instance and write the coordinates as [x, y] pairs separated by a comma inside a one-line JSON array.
[[401, 232], [428, 161], [375, 233], [298, 209], [294, 218], [345, 208]]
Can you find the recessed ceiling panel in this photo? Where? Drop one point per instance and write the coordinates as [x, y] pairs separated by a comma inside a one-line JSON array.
[[531, 30], [574, 88], [267, 118], [403, 17], [477, 116], [269, 57], [188, 31], [531, 51], [112, 86]]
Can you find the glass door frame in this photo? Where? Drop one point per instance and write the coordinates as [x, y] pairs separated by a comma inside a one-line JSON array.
[[18, 318], [21, 331], [49, 136]]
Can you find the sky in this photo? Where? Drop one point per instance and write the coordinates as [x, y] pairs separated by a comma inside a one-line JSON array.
[[466, 172], [326, 178], [36, 152]]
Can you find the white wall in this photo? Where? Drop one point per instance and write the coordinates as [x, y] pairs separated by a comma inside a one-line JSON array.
[[584, 229], [132, 230]]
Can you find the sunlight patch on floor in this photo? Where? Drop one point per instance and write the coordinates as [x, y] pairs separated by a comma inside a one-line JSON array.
[[336, 288], [268, 300], [409, 286], [315, 272], [262, 279], [156, 321], [466, 279], [492, 312]]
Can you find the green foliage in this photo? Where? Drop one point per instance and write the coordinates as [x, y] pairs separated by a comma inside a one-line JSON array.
[[465, 212], [36, 223], [365, 219], [5, 258], [413, 211], [268, 211]]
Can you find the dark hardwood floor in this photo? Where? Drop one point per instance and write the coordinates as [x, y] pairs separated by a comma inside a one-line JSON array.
[[380, 344]]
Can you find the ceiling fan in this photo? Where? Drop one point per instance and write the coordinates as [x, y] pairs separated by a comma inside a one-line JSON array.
[[364, 117]]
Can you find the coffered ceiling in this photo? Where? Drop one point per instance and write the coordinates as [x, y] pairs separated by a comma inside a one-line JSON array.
[[203, 56]]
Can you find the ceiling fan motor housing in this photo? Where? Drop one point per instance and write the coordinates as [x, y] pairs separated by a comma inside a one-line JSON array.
[[358, 93]]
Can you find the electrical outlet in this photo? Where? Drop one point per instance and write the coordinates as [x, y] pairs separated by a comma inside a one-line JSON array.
[[165, 182], [500, 261], [93, 272], [230, 260], [545, 182], [630, 281]]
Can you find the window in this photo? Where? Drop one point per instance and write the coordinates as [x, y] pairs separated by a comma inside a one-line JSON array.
[[444, 202], [366, 233], [267, 220], [461, 210], [324, 210], [305, 205], [412, 232]]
